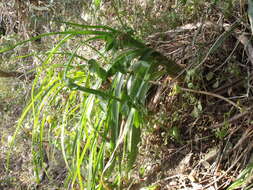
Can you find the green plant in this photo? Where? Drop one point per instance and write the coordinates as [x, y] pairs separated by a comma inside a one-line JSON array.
[[243, 179], [222, 132], [92, 112]]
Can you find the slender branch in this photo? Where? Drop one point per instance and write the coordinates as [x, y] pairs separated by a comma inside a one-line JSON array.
[[10, 74], [13, 74], [212, 94], [234, 118]]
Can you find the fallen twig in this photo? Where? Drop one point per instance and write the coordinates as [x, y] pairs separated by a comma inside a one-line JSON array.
[[185, 28], [228, 170], [212, 94], [244, 39], [234, 118]]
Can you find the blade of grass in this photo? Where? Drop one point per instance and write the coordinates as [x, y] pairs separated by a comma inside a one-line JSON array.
[[74, 32], [88, 26]]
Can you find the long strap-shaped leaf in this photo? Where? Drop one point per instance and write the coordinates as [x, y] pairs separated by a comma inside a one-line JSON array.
[[75, 86], [71, 32], [88, 26]]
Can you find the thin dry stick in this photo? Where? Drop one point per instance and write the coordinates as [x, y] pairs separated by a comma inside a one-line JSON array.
[[244, 39], [219, 41], [212, 94], [234, 118], [184, 28], [206, 93], [244, 137], [10, 74], [228, 170]]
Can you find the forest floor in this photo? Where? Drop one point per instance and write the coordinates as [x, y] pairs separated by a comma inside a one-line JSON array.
[[197, 137]]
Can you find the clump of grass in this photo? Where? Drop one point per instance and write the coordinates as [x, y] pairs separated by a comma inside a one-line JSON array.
[[91, 109], [244, 180]]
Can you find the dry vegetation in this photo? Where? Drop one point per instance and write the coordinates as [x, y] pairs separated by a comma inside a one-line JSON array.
[[197, 132]]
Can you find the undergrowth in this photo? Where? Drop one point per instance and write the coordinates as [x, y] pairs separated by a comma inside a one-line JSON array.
[[92, 109]]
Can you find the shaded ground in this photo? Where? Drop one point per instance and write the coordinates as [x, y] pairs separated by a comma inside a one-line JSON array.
[[194, 140]]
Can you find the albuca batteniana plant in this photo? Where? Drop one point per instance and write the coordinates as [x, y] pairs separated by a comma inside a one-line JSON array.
[[91, 108]]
